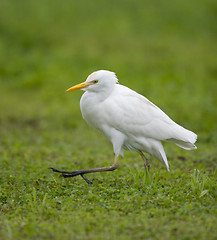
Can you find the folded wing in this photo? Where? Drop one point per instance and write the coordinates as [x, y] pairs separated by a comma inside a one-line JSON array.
[[136, 115]]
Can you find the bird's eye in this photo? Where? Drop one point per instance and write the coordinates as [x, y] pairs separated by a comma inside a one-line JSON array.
[[95, 81]]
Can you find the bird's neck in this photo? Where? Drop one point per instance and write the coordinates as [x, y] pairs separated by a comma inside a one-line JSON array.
[[103, 93]]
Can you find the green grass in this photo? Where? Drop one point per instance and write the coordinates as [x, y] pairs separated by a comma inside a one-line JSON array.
[[164, 50]]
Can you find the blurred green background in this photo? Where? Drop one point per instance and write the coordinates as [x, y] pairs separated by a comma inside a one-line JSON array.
[[165, 50]]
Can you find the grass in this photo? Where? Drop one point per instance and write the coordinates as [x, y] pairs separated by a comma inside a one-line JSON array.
[[164, 50]]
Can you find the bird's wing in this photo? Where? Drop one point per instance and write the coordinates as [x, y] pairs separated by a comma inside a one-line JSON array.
[[133, 114]]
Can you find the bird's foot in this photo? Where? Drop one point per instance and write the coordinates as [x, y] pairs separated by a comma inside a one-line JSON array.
[[67, 174], [87, 180]]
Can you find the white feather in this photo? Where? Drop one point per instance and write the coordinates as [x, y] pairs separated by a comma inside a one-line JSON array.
[[129, 119]]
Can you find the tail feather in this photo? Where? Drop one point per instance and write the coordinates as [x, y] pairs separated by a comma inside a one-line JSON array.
[[182, 144], [159, 153], [184, 138]]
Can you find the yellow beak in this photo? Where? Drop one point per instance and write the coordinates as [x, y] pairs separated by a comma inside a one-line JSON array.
[[78, 86]]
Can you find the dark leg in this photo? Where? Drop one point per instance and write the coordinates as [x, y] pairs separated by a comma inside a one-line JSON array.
[[146, 162], [66, 174]]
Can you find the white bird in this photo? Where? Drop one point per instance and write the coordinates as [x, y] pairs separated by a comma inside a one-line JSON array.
[[129, 120]]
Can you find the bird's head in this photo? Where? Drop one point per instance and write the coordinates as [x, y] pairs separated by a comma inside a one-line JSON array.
[[97, 82]]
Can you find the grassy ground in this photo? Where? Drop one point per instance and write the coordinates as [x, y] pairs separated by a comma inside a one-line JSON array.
[[164, 50]]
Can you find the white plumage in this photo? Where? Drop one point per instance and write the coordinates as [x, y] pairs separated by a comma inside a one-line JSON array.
[[129, 120]]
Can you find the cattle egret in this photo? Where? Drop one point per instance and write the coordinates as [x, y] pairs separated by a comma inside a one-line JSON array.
[[129, 120]]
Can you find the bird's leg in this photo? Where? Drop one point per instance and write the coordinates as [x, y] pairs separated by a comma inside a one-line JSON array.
[[146, 162], [66, 174]]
